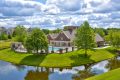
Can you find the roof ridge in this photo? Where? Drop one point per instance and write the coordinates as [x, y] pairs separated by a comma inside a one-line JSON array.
[[66, 34]]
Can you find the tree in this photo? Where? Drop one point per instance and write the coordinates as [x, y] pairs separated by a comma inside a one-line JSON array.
[[36, 41], [113, 29], [9, 36], [100, 31], [20, 33], [28, 44], [113, 64], [85, 37], [83, 74], [46, 31], [114, 38], [65, 28], [3, 36], [57, 30]]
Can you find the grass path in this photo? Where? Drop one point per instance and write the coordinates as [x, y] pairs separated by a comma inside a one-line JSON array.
[[70, 59]]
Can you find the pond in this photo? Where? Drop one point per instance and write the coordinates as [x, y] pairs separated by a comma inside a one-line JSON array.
[[9, 71]]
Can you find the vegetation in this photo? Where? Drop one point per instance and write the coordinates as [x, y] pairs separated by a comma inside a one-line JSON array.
[[46, 31], [114, 38], [9, 36], [20, 33], [113, 64], [65, 28], [69, 59], [56, 31], [85, 37], [3, 36], [5, 44], [36, 41], [111, 75], [100, 31]]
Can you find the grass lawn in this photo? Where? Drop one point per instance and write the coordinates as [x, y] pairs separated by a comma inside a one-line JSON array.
[[111, 75], [5, 44], [70, 59]]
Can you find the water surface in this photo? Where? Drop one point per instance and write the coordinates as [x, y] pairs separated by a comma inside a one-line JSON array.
[[10, 71]]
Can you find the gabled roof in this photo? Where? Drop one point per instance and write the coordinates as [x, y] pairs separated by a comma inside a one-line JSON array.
[[53, 36], [62, 36], [71, 35], [98, 38]]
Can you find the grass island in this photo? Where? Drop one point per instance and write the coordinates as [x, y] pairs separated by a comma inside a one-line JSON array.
[[69, 59]]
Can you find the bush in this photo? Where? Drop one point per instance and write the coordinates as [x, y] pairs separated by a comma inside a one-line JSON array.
[[9, 36], [3, 36]]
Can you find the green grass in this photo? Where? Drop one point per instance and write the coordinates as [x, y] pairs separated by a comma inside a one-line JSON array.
[[5, 44], [70, 59], [111, 75]]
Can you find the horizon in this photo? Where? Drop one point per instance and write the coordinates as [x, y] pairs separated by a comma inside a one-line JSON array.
[[53, 14]]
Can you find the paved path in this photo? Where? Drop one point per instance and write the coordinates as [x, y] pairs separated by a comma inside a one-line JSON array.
[[102, 47]]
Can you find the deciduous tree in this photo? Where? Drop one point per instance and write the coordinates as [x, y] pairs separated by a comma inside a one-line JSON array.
[[100, 31], [114, 38], [85, 37], [20, 33], [36, 41]]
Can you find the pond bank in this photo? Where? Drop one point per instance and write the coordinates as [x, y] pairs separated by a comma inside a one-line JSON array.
[[111, 75]]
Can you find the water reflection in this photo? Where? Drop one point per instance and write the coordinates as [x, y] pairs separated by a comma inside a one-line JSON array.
[[19, 67], [10, 71], [113, 63], [100, 67], [37, 75], [83, 74]]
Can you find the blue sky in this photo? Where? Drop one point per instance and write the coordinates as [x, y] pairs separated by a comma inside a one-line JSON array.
[[52, 14]]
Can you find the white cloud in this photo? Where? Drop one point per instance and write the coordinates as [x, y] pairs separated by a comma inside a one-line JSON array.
[[51, 9], [6, 68], [3, 24], [57, 13], [69, 5]]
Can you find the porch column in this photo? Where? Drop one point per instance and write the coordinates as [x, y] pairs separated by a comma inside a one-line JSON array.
[[60, 44], [67, 44]]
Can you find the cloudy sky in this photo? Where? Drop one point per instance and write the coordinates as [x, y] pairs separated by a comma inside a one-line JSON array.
[[54, 14]]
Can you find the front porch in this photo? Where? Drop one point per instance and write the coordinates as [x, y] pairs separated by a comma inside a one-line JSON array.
[[100, 43]]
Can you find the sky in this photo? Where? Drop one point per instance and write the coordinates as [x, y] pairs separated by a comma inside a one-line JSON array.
[[52, 14]]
